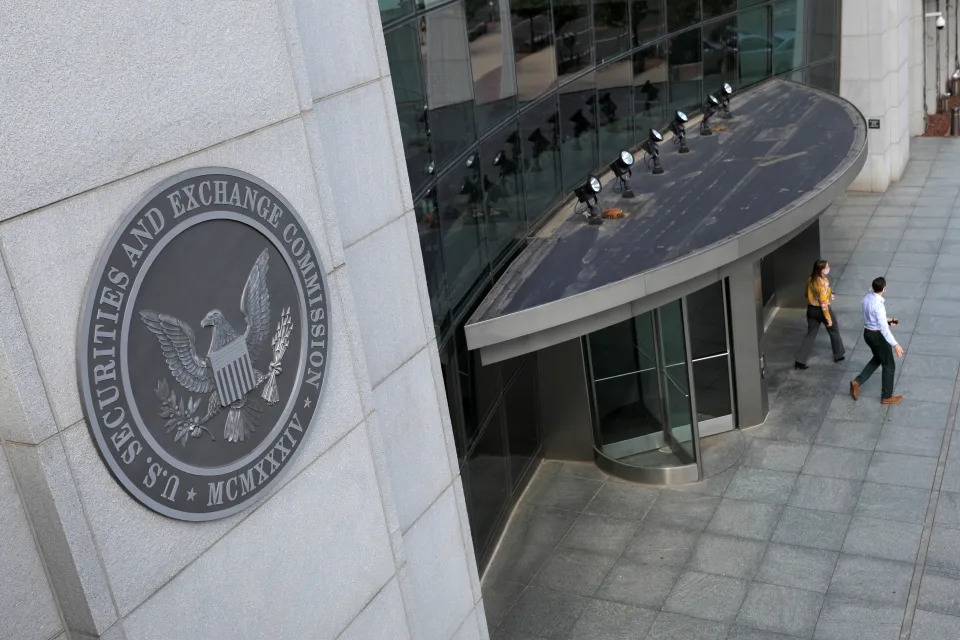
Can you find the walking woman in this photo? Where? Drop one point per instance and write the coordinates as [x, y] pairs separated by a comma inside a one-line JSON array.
[[819, 297]]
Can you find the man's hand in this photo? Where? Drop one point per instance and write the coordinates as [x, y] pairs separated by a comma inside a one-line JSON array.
[[893, 321], [899, 350]]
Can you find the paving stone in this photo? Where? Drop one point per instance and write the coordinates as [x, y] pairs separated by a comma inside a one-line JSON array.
[[908, 471], [612, 621], [910, 441], [944, 549], [847, 619], [655, 544], [781, 609], [816, 529], [740, 632], [883, 539], [544, 613], [673, 626], [843, 407], [600, 535], [498, 598], [574, 571], [622, 500], [918, 415], [776, 455], [641, 585], [939, 592], [891, 502], [565, 492], [727, 556], [851, 435], [871, 579], [934, 345], [924, 366], [755, 520], [951, 474], [798, 567], [761, 485], [926, 389], [836, 462], [687, 510], [935, 626], [825, 494], [703, 595], [948, 510]]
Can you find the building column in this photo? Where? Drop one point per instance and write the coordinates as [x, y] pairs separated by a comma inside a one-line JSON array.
[[746, 321]]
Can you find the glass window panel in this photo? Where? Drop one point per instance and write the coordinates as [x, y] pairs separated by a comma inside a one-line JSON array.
[[533, 48], [501, 162], [490, 36], [460, 207], [686, 71], [611, 28], [489, 486], [823, 76], [446, 63], [707, 322], [788, 36], [573, 37], [821, 29], [613, 108], [682, 13], [719, 55], [716, 8], [649, 90], [753, 45], [578, 130], [428, 227], [403, 52], [521, 405], [675, 383], [393, 9], [647, 18], [448, 370], [743, 4], [479, 387], [712, 387], [613, 350], [539, 138]]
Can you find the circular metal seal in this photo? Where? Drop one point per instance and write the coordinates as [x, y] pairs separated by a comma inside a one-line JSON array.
[[203, 344]]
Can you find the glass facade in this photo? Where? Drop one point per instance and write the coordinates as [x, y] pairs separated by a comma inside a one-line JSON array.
[[505, 106]]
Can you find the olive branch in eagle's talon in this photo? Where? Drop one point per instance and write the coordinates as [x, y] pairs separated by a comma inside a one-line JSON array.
[[178, 416], [280, 341]]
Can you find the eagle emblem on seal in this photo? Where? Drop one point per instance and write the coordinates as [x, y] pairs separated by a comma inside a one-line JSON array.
[[228, 372]]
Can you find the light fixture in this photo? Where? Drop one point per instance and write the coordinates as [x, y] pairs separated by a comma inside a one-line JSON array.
[[724, 94], [507, 166], [941, 22], [608, 107], [709, 109], [587, 194], [651, 149], [679, 129], [621, 169]]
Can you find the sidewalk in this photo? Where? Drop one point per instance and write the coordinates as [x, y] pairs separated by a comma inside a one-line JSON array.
[[842, 519]]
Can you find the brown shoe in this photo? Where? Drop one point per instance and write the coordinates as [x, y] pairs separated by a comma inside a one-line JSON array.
[[891, 400], [854, 389]]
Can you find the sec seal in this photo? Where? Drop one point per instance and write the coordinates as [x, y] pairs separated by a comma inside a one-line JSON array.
[[203, 344]]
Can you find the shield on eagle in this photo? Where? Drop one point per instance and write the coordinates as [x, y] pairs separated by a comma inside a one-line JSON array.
[[232, 371]]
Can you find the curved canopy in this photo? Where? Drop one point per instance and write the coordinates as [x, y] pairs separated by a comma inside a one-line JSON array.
[[762, 177]]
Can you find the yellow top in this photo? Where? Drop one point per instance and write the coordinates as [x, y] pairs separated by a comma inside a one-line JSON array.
[[818, 295]]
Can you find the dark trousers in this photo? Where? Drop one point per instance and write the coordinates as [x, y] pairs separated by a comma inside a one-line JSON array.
[[882, 355], [815, 318]]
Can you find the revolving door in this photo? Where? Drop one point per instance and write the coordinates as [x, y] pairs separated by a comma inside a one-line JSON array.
[[660, 381]]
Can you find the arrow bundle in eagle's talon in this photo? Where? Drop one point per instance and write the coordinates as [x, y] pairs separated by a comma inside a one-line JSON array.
[[280, 341]]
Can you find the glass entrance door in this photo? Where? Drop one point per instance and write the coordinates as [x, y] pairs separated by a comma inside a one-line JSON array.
[[710, 358]]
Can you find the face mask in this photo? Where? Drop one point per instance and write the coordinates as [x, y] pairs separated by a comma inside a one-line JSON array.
[[826, 271]]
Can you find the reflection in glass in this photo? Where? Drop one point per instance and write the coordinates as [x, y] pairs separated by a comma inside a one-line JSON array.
[[823, 76], [539, 138], [428, 228], [446, 63], [754, 46], [715, 8], [578, 130], [490, 35], [647, 18], [686, 71], [787, 36], [448, 370], [535, 58], [682, 13], [393, 9], [610, 28], [460, 205], [406, 74], [719, 55], [521, 406], [822, 29], [479, 387], [573, 37], [674, 380], [709, 351], [613, 108], [649, 90], [501, 162], [489, 487]]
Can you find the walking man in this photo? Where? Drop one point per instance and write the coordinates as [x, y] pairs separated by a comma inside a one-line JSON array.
[[877, 335], [819, 297]]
